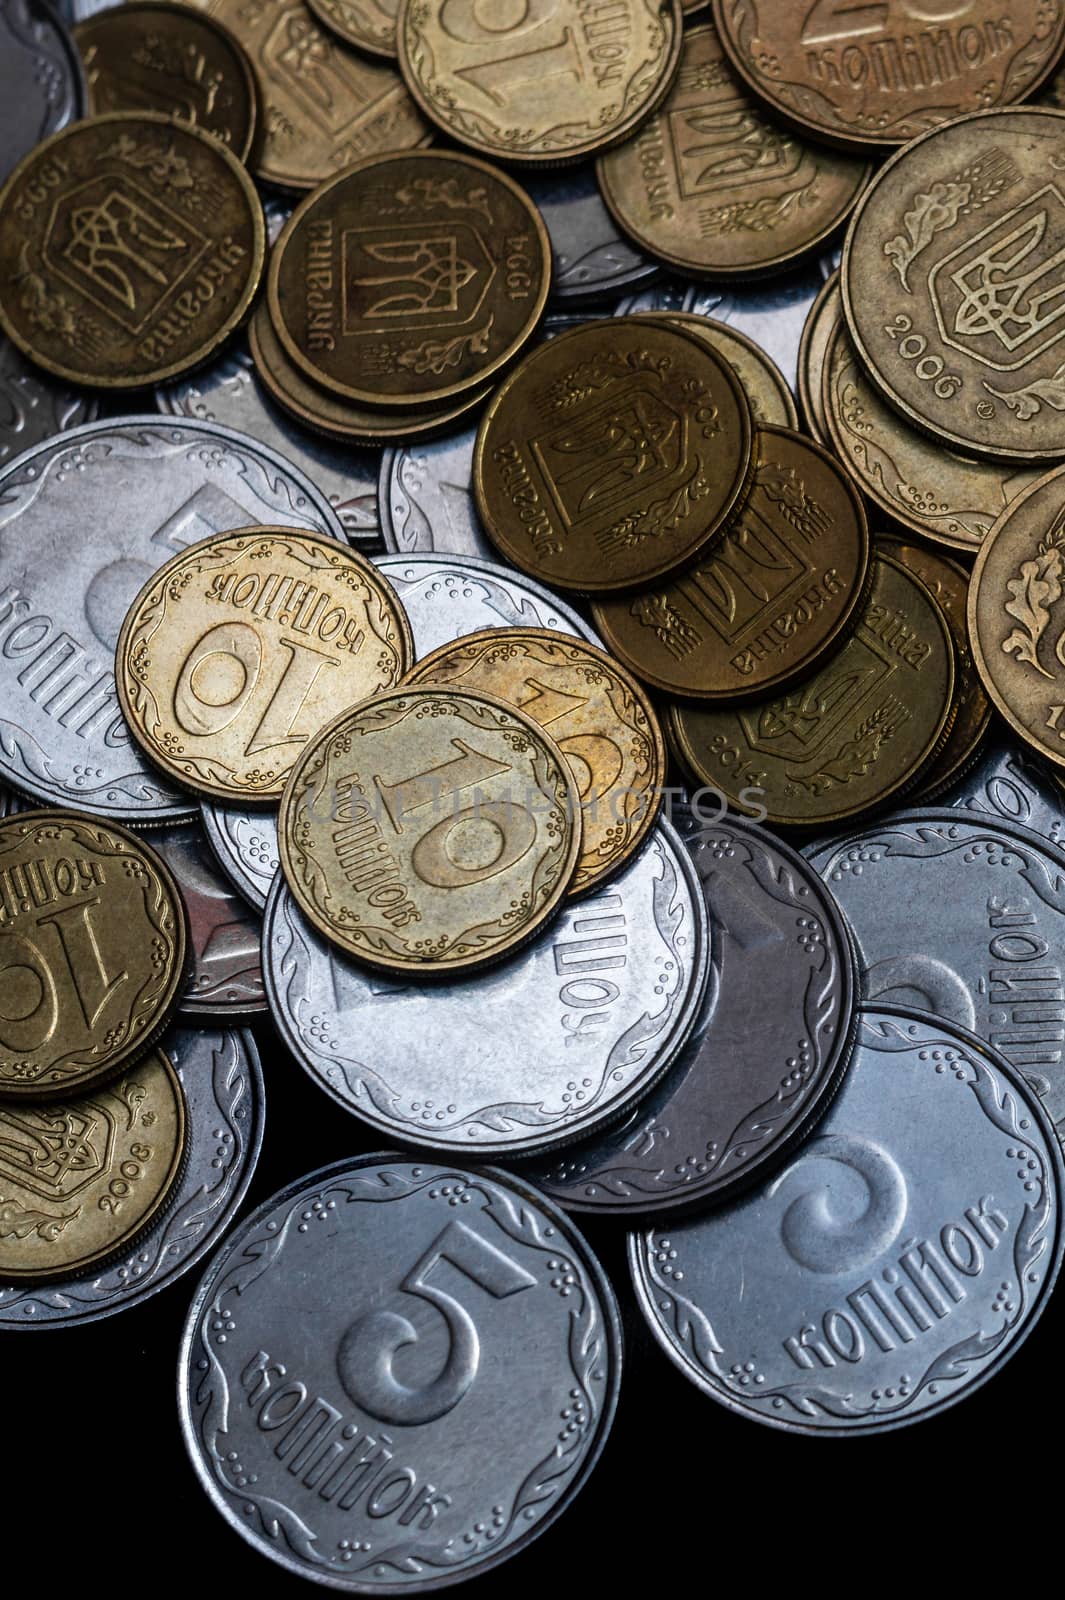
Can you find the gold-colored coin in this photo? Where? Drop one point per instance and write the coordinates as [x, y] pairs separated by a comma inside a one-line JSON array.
[[712, 186], [613, 456], [780, 590], [820, 321], [854, 735], [93, 949], [430, 831], [361, 314], [367, 24], [80, 1178], [598, 716], [952, 285], [548, 82], [160, 57], [241, 648], [130, 248], [762, 381]]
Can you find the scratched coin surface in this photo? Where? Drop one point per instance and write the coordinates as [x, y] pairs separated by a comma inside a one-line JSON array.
[[34, 406], [752, 1078], [367, 24], [41, 84], [240, 649], [131, 246], [1007, 782], [893, 1265], [590, 258], [952, 282]]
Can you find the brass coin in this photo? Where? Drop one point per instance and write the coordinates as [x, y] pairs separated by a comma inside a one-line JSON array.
[[367, 24], [169, 58], [813, 346], [854, 735], [410, 279], [81, 1178], [953, 283], [430, 831], [130, 248], [547, 82], [762, 381], [241, 647], [712, 186], [92, 952], [861, 75], [613, 455], [779, 591], [598, 716]]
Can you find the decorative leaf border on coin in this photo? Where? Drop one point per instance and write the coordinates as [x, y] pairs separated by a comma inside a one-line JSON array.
[[937, 209]]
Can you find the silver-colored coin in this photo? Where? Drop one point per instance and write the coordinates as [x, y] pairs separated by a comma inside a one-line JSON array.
[[41, 84], [895, 1263], [1007, 782], [85, 519], [34, 406], [223, 1085], [227, 393], [276, 212], [444, 598], [591, 258], [754, 1076], [395, 1374], [988, 899], [543, 1048]]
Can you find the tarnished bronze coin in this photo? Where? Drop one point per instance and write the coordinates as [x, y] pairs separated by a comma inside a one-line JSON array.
[[550, 81], [813, 347], [169, 58], [953, 282], [410, 279], [778, 592], [80, 1178], [367, 24], [766, 388], [598, 716], [861, 75], [430, 830], [854, 735], [92, 952], [613, 455], [712, 186], [130, 247]]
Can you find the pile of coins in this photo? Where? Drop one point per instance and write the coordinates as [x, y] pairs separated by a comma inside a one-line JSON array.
[[531, 547]]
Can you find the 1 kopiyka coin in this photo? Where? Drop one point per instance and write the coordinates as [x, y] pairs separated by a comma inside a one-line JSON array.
[[430, 830], [852, 736], [41, 83], [600, 718], [367, 24], [549, 84], [130, 248], [953, 283], [240, 649], [409, 279], [712, 186], [779, 591], [613, 455], [93, 944]]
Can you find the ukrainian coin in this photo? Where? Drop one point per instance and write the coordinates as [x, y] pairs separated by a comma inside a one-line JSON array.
[[183, 252], [823, 317], [367, 24], [33, 406], [762, 381], [351, 315], [779, 592], [896, 1262], [605, 462], [223, 1092], [548, 84], [598, 715], [752, 1078], [862, 76], [853, 735], [1007, 782], [8, 803], [41, 86], [425, 499], [590, 257], [239, 650], [153, 56], [961, 234], [85, 519]]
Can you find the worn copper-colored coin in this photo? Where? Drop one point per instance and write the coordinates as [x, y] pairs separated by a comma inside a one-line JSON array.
[[158, 57], [241, 647], [766, 388], [410, 279], [93, 950], [601, 720], [81, 1178], [430, 830], [613, 455], [854, 735], [953, 282], [813, 348], [862, 75], [367, 24], [549, 82], [713, 187], [779, 592], [130, 248]]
